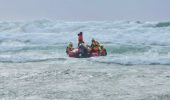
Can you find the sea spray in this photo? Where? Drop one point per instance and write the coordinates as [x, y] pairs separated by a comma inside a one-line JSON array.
[[127, 42]]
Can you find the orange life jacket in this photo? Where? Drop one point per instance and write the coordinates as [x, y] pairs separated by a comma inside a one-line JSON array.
[[95, 44]]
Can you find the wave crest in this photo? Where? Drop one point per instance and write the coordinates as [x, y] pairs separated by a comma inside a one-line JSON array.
[[163, 24]]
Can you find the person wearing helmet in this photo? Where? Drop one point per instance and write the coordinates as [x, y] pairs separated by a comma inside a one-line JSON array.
[[69, 47], [103, 51], [80, 38], [83, 49], [95, 46]]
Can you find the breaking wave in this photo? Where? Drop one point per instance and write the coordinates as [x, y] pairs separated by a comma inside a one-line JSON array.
[[127, 42], [163, 24]]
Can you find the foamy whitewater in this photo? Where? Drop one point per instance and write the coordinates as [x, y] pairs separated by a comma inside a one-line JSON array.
[[34, 65]]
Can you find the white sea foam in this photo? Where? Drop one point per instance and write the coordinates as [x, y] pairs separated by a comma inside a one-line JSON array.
[[126, 42], [34, 65]]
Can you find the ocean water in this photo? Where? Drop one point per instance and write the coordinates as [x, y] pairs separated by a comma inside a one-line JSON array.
[[34, 65]]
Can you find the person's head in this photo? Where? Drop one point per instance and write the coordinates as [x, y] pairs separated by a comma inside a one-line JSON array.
[[80, 33], [93, 40]]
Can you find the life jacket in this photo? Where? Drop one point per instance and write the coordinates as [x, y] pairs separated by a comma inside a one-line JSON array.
[[95, 49], [95, 46]]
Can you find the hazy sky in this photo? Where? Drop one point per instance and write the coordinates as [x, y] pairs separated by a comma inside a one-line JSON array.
[[148, 10]]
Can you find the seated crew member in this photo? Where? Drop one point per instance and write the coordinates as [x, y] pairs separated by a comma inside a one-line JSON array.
[[95, 46], [69, 47], [103, 51]]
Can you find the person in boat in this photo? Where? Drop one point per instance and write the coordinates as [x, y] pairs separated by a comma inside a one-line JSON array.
[[80, 39], [103, 51], [95, 46], [69, 47], [83, 49]]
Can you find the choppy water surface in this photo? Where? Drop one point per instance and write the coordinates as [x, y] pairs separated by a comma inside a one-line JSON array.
[[33, 63]]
